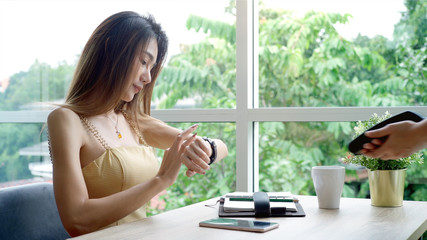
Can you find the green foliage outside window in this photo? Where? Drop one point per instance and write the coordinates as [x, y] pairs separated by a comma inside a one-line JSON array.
[[303, 62]]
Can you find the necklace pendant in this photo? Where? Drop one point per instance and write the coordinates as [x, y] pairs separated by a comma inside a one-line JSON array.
[[119, 135]]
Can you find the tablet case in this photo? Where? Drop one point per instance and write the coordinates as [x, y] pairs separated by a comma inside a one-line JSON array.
[[262, 209]]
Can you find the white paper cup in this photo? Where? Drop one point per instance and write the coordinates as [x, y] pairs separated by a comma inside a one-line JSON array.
[[328, 182]]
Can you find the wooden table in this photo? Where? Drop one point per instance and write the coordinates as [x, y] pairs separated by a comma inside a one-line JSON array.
[[356, 219]]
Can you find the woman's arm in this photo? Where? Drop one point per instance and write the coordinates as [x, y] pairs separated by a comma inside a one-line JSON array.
[[196, 158], [157, 133], [78, 213]]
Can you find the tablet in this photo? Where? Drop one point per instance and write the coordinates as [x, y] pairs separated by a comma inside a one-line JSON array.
[[357, 144], [239, 224]]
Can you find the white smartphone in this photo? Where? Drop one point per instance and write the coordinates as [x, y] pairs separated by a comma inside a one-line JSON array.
[[239, 224]]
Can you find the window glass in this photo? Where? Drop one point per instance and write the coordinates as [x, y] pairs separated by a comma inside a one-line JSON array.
[[288, 151], [342, 53], [25, 155], [42, 40]]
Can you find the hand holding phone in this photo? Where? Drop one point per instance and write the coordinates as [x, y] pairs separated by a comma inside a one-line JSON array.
[[357, 144], [239, 224]]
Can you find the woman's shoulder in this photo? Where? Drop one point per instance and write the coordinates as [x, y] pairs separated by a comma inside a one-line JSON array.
[[62, 114]]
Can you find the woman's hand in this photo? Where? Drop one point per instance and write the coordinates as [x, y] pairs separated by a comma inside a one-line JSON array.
[[171, 163], [196, 157]]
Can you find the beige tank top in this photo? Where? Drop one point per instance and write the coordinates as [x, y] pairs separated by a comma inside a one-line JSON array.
[[118, 169]]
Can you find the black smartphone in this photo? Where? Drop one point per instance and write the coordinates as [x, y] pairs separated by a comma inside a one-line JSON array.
[[239, 224], [357, 144]]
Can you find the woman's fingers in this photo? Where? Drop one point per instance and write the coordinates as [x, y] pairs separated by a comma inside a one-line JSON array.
[[198, 156], [194, 164], [180, 139], [203, 149], [171, 162], [192, 151], [195, 158], [190, 173]]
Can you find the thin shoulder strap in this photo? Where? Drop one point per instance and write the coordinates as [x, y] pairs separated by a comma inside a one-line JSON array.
[[89, 126], [134, 128]]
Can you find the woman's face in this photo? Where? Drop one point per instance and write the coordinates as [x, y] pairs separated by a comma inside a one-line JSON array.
[[141, 75]]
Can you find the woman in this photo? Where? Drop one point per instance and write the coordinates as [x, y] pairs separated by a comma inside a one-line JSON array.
[[102, 138]]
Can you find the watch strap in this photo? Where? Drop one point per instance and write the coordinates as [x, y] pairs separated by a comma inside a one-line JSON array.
[[214, 150]]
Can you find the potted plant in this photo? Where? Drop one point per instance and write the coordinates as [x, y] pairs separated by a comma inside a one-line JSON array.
[[386, 177]]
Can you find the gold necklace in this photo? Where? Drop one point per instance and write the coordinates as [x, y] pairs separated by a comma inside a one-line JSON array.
[[119, 135]]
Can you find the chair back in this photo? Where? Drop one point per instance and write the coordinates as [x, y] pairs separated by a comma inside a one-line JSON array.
[[30, 212]]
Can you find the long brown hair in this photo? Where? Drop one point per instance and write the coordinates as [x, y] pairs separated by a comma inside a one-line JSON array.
[[106, 63]]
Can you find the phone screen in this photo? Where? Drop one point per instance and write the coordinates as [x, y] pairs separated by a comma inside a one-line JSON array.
[[239, 224]]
